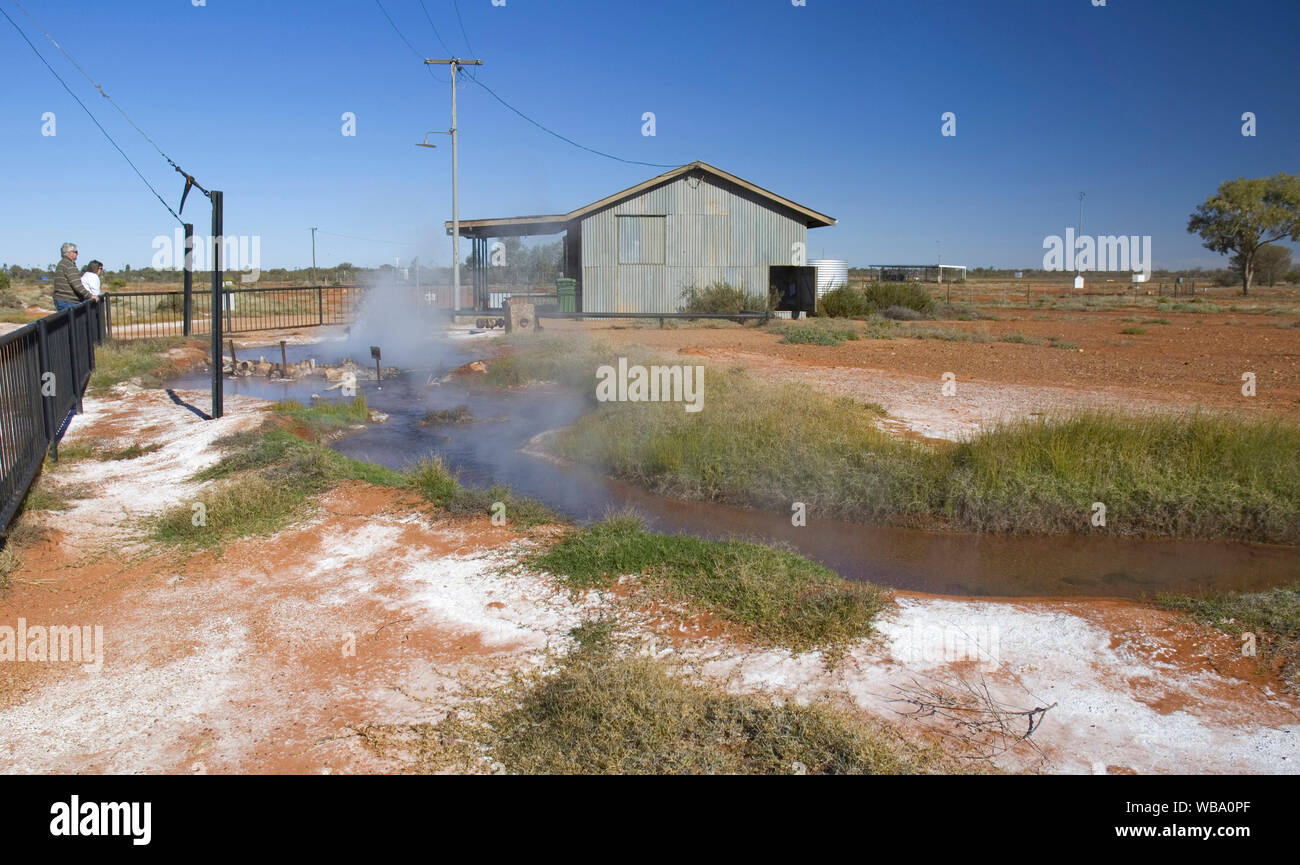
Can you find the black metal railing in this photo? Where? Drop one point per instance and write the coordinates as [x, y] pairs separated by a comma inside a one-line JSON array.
[[141, 314], [44, 370]]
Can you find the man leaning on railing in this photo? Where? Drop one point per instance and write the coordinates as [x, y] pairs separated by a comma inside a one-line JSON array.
[[68, 290]]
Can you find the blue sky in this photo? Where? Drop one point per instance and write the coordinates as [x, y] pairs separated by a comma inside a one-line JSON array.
[[835, 104]]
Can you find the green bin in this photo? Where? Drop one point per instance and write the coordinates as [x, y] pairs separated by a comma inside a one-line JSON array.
[[567, 289]]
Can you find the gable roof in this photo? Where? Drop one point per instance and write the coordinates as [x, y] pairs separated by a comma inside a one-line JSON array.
[[555, 223]]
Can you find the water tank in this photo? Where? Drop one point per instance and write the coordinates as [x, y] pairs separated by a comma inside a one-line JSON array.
[[831, 273]]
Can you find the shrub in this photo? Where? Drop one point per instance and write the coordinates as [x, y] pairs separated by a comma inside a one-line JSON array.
[[843, 302], [720, 298], [602, 714], [901, 313], [882, 295], [8, 300], [817, 336], [848, 301]]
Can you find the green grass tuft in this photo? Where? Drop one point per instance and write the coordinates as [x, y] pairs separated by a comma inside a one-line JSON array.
[[782, 598], [1272, 616], [431, 478], [266, 481], [326, 416], [117, 361]]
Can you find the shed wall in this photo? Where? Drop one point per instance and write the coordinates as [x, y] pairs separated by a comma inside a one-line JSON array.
[[712, 232]]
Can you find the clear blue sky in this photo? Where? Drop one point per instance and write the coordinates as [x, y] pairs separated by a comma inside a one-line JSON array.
[[835, 104]]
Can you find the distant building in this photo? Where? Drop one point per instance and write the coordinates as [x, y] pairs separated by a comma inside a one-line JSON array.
[[639, 249]]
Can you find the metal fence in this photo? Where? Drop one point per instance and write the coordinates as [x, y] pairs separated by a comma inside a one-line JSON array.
[[139, 314], [44, 369]]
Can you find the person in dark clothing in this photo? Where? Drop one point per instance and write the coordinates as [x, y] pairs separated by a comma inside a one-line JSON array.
[[68, 290]]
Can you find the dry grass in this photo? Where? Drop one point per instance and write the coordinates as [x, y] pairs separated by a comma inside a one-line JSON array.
[[603, 711]]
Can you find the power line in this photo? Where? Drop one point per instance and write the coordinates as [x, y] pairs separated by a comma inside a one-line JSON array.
[[548, 131], [188, 178], [450, 53], [402, 36], [494, 95], [92, 117], [459, 21]]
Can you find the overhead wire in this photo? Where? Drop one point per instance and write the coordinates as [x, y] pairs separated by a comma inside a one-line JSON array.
[[473, 77], [429, 18], [568, 140], [402, 36], [461, 22], [103, 93], [92, 117]]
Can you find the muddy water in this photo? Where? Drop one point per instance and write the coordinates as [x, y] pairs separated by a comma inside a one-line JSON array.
[[488, 451]]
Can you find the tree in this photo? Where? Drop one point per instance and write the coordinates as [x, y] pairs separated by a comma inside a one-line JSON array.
[[1247, 214], [1271, 264]]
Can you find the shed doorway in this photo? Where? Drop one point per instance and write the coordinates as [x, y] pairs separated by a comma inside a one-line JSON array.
[[793, 288]]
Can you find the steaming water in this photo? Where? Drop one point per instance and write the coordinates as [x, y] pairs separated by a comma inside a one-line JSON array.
[[487, 452]]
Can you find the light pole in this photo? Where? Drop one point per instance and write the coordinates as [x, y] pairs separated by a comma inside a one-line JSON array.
[[313, 256], [455, 63]]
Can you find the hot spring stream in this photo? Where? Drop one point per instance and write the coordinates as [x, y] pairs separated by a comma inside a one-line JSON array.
[[487, 452]]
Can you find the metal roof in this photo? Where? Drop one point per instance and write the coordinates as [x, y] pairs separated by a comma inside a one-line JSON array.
[[557, 222]]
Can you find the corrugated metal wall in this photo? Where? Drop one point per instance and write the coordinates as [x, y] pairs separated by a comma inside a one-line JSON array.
[[711, 232]]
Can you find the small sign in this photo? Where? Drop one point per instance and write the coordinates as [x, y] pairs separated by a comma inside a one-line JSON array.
[[1019, 274], [1078, 282]]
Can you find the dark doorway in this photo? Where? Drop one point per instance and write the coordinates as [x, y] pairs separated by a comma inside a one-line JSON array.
[[794, 288]]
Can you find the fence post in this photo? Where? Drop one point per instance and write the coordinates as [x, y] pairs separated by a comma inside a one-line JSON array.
[[92, 331], [320, 305], [43, 362], [217, 383], [187, 306], [73, 339]]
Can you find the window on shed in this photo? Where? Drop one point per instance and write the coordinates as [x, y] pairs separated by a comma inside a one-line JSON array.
[[641, 239]]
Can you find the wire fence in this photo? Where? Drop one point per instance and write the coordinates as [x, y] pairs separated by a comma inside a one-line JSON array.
[[44, 370], [142, 314]]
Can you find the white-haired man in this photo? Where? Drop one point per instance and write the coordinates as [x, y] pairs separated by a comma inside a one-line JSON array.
[[68, 290]]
